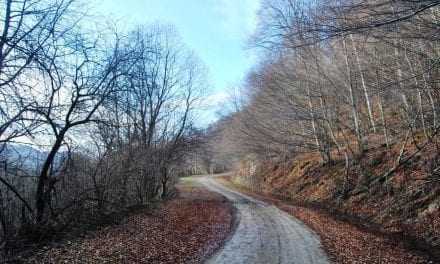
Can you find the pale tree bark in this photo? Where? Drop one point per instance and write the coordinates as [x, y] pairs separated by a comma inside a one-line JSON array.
[[364, 85], [352, 97], [419, 95], [312, 116]]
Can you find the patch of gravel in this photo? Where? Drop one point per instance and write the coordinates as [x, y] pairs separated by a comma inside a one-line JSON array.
[[265, 234]]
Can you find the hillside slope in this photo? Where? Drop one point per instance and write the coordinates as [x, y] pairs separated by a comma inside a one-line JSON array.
[[404, 203]]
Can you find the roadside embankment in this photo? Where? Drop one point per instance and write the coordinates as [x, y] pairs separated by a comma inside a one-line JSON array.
[[344, 239]]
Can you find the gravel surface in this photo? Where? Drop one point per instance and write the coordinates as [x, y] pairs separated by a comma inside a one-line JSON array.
[[265, 234]]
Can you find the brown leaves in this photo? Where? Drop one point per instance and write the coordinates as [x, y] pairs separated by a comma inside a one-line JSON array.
[[344, 242], [184, 230], [348, 244]]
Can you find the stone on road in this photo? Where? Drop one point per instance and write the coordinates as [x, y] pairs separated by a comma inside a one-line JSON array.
[[265, 234]]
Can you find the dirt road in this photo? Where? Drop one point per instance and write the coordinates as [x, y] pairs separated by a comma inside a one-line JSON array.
[[265, 234]]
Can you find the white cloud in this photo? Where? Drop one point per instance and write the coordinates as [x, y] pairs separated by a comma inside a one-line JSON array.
[[214, 100], [211, 106], [239, 18]]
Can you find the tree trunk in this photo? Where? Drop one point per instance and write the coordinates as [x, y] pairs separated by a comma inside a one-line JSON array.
[[364, 85], [43, 187], [352, 99], [312, 115]]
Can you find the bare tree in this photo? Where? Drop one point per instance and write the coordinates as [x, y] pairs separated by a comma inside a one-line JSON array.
[[334, 69], [27, 27], [76, 86]]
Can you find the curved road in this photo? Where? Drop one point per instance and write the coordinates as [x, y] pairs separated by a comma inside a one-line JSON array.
[[265, 234]]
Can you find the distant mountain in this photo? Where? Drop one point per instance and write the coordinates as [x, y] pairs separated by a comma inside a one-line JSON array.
[[27, 157]]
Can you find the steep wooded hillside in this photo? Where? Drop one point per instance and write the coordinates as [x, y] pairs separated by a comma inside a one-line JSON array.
[[342, 112]]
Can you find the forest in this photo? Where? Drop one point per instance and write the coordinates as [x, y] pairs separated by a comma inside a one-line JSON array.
[[340, 114], [342, 111], [339, 77], [92, 120]]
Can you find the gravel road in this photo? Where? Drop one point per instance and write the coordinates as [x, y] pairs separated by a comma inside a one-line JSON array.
[[265, 234]]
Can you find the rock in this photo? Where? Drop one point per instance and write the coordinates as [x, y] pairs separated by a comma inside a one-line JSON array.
[[432, 208]]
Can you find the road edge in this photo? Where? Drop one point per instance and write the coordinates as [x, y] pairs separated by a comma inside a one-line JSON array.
[[235, 221]]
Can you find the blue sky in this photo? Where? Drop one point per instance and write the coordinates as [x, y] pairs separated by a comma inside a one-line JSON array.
[[217, 30]]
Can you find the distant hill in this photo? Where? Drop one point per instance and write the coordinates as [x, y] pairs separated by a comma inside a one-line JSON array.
[[27, 157]]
